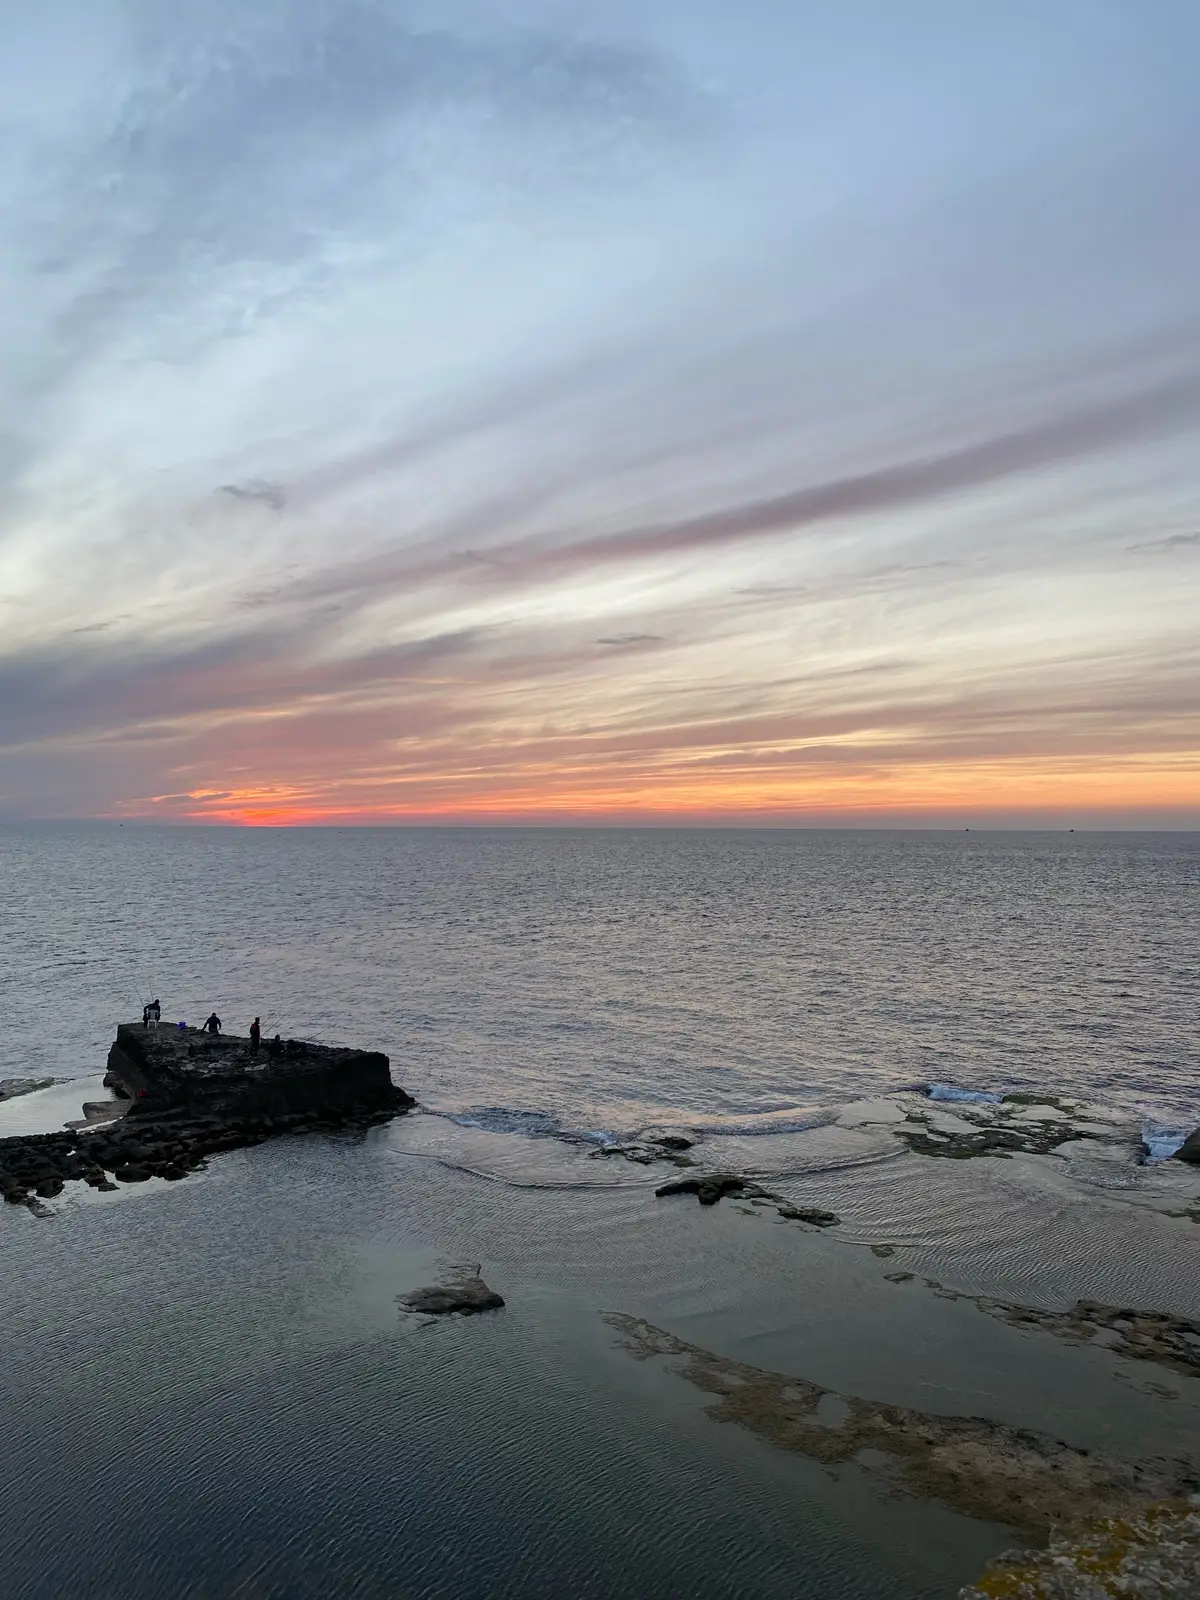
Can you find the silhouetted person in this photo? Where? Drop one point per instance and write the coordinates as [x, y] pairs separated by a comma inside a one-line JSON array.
[[145, 1016], [255, 1036], [155, 1010], [213, 1025], [275, 1048]]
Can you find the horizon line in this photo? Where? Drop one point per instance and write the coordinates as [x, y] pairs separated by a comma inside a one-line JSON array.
[[897, 824]]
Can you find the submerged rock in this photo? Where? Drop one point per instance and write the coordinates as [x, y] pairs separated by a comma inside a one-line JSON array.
[[866, 1113], [812, 1214], [1189, 1150], [990, 1470], [1157, 1336], [11, 1087], [650, 1153], [1025, 1124], [1039, 1139]]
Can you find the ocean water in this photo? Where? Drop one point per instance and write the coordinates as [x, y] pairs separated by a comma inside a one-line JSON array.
[[206, 1388], [600, 981]]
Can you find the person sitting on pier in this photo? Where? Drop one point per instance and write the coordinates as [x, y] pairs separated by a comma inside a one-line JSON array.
[[275, 1048], [145, 1016], [255, 1036], [213, 1025], [155, 1010]]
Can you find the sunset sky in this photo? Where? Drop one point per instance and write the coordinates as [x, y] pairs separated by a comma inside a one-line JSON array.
[[649, 410]]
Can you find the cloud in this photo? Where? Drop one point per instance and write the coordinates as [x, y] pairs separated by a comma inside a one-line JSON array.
[[696, 404], [270, 494], [1170, 543], [1151, 413]]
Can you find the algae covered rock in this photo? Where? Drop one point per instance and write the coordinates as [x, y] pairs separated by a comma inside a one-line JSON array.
[[1152, 1554]]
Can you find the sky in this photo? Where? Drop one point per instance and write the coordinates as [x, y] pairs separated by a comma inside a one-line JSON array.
[[657, 411]]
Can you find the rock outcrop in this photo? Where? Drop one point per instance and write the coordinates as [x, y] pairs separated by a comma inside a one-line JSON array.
[[188, 1098], [465, 1296], [1189, 1150], [181, 1069]]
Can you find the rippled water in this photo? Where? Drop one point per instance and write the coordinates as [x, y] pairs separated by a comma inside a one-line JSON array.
[[207, 1390], [590, 980]]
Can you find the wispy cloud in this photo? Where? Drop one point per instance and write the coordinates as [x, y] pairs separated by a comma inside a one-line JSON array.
[[411, 410]]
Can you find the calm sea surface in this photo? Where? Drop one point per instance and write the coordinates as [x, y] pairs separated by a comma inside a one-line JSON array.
[[206, 1388], [599, 981]]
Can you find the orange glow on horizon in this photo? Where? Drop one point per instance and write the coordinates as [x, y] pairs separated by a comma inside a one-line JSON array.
[[1168, 783]]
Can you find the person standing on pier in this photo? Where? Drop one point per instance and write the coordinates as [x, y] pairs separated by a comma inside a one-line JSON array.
[[255, 1035]]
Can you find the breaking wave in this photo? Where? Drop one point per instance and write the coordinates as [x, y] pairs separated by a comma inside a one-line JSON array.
[[1161, 1143]]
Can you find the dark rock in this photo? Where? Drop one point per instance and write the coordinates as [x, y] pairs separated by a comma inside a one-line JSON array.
[[192, 1099], [679, 1186], [467, 1295], [813, 1214], [1189, 1150], [224, 1077], [708, 1190], [673, 1141], [49, 1187]]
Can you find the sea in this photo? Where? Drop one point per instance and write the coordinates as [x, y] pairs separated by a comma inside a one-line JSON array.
[[206, 1388], [596, 981]]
